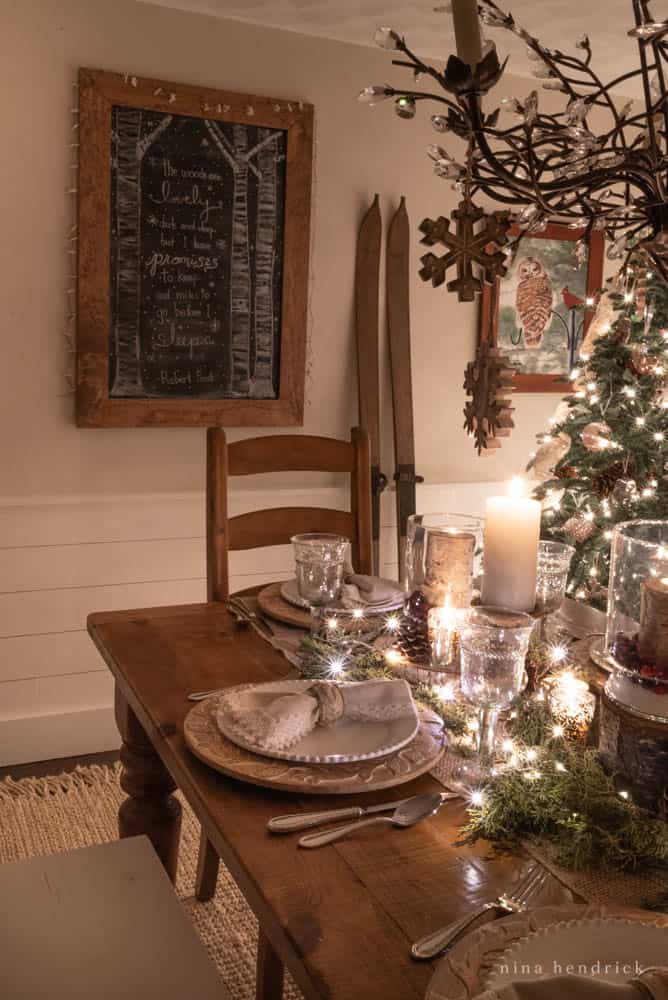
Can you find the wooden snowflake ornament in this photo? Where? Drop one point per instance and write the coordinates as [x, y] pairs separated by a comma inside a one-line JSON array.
[[469, 244], [488, 414]]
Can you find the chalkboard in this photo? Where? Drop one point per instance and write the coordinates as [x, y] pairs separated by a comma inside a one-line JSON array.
[[194, 210], [197, 219]]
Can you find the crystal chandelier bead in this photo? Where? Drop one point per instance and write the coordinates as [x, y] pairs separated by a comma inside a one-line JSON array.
[[582, 42], [576, 110], [405, 107], [616, 249], [375, 93], [438, 153], [386, 38], [649, 30], [541, 72], [512, 104], [581, 252], [531, 108], [492, 19], [448, 169], [527, 215], [439, 123], [555, 85]]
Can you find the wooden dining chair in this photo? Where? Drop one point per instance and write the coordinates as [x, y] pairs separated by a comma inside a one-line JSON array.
[[276, 525]]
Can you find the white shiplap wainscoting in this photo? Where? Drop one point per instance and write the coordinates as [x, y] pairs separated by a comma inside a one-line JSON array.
[[61, 558]]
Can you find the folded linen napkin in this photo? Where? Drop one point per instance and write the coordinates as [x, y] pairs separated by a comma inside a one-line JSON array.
[[373, 591], [276, 721], [652, 984]]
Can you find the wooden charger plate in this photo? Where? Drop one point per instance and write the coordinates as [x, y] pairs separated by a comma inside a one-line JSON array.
[[206, 741], [462, 974], [272, 603]]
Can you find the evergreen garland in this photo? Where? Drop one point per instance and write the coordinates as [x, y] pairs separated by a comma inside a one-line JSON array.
[[620, 385], [545, 787]]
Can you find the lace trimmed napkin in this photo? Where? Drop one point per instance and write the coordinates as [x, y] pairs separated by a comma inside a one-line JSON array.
[[277, 720], [652, 984]]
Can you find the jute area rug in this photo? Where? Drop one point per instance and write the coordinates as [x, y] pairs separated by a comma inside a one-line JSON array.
[[47, 815]]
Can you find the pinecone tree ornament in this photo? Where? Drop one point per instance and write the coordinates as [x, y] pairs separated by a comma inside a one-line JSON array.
[[579, 528], [625, 492]]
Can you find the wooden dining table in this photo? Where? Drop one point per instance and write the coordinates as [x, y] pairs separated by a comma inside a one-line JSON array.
[[341, 918]]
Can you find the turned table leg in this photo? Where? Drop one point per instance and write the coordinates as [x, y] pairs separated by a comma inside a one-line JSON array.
[[151, 808], [270, 970]]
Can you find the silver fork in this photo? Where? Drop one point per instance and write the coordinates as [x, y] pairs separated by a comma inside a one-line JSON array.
[[244, 614], [514, 902]]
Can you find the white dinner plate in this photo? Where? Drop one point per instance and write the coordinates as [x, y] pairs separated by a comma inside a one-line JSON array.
[[613, 950], [290, 593], [344, 742]]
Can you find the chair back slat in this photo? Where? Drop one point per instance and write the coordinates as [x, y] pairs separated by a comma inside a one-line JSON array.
[[290, 453], [283, 453], [277, 525]]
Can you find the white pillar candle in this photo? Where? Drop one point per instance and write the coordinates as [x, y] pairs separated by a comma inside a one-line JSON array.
[[512, 532], [467, 31]]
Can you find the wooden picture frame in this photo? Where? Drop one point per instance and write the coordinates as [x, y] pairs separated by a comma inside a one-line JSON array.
[[533, 302], [253, 378]]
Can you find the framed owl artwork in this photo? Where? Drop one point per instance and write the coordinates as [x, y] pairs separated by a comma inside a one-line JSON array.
[[538, 314]]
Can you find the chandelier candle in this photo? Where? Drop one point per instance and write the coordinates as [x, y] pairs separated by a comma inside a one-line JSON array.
[[467, 31], [512, 530]]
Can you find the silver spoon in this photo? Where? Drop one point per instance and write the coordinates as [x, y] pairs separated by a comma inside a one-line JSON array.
[[407, 814]]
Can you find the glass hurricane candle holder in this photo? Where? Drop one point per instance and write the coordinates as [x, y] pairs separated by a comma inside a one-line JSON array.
[[319, 561], [441, 552], [440, 560], [636, 640], [493, 648]]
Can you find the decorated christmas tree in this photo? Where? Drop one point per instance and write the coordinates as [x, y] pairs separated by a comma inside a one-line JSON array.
[[604, 458]]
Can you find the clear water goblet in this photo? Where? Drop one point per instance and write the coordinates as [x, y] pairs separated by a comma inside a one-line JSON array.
[[493, 647]]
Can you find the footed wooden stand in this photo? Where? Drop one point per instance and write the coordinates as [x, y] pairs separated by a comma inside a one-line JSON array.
[[640, 747]]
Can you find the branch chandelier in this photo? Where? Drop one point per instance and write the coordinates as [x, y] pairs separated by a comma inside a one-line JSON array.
[[542, 167]]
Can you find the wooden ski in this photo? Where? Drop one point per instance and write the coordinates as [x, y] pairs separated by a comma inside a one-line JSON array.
[[399, 336], [367, 281]]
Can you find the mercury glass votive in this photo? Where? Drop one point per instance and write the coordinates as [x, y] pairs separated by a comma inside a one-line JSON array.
[[319, 560], [443, 623], [554, 561]]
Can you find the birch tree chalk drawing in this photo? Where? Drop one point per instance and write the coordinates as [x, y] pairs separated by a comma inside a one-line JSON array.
[[194, 212]]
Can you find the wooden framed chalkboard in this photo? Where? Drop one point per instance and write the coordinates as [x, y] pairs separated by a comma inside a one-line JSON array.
[[194, 212]]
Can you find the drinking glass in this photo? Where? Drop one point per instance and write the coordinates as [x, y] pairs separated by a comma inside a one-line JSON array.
[[319, 560], [493, 647], [554, 562]]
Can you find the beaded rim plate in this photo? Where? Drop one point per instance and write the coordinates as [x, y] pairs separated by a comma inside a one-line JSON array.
[[206, 742], [604, 948], [325, 744], [463, 973], [290, 593]]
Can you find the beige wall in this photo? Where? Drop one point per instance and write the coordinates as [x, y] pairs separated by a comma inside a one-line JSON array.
[[359, 151]]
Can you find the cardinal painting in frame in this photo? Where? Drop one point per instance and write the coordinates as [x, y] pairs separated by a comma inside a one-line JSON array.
[[538, 313]]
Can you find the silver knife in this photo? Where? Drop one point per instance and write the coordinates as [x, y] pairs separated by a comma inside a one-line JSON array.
[[304, 821]]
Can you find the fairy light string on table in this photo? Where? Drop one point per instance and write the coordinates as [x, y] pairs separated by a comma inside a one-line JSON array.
[[546, 782]]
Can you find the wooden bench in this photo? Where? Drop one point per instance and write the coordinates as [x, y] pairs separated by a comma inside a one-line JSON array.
[[99, 923]]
